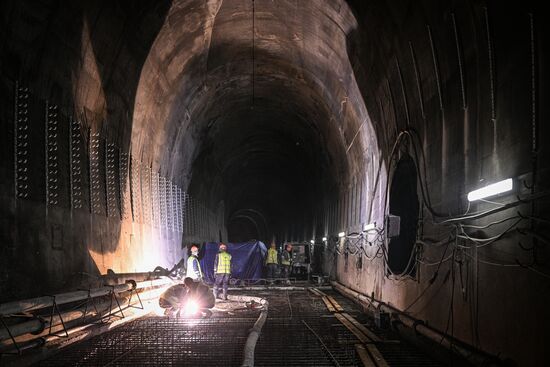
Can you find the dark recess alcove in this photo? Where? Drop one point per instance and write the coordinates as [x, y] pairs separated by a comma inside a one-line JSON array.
[[404, 204]]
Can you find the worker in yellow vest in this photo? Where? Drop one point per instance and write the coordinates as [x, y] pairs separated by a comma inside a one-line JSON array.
[[286, 262], [222, 271], [271, 262], [193, 265]]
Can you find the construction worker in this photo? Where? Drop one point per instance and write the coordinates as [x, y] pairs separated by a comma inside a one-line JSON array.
[[173, 299], [271, 261], [200, 293], [222, 270], [177, 299], [286, 262], [193, 265]]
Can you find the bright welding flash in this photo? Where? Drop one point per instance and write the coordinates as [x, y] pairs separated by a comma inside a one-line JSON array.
[[191, 308]]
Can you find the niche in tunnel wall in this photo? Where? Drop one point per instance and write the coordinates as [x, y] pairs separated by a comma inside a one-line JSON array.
[[404, 203]]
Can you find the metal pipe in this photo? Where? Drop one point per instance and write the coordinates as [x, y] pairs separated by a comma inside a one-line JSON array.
[[89, 330], [123, 277], [77, 334], [64, 298], [40, 327], [24, 346], [37, 325], [270, 288], [470, 353]]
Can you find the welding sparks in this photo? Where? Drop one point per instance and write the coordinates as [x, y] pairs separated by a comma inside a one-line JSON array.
[[191, 308]]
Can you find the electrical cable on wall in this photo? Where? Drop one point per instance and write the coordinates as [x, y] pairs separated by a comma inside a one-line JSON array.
[[455, 223]]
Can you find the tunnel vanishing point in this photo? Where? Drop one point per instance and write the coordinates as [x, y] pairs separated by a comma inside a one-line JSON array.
[[131, 129]]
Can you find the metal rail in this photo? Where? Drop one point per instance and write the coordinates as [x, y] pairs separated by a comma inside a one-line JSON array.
[[37, 303], [471, 354]]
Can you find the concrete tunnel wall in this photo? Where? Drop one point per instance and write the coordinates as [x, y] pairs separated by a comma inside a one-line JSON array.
[[85, 58], [286, 132]]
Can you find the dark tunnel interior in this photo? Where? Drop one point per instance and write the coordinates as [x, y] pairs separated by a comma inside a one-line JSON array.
[[268, 162], [133, 130]]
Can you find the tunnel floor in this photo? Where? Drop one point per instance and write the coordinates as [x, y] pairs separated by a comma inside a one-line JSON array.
[[299, 331]]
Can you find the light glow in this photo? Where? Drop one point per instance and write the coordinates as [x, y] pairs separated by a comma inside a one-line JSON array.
[[324, 239], [312, 242], [368, 227], [342, 234], [191, 308], [491, 190]]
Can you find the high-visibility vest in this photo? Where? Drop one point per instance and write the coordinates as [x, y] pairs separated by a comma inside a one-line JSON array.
[[224, 263], [193, 268], [285, 258], [271, 256]]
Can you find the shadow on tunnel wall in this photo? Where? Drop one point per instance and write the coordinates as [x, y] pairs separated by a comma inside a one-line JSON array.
[[46, 49]]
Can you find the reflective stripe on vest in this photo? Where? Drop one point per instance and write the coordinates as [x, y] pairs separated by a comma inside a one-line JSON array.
[[191, 273], [224, 263], [271, 256], [285, 259]]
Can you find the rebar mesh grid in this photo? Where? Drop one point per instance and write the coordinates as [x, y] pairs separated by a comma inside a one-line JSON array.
[[299, 331], [161, 341], [287, 340]]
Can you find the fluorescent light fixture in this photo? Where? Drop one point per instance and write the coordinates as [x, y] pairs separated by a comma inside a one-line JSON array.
[[312, 242], [368, 227], [324, 239], [491, 190], [341, 234]]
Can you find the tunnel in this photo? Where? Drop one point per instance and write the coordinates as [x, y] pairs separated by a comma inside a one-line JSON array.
[[398, 146]]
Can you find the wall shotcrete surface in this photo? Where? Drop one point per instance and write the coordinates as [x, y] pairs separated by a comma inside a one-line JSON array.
[[132, 129]]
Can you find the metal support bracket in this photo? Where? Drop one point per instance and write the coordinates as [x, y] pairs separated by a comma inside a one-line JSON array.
[[113, 296], [88, 300], [132, 292], [55, 309], [5, 326]]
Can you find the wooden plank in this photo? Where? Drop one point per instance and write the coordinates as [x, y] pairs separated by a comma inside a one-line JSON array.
[[319, 292], [363, 329], [377, 356], [328, 304], [315, 291], [362, 337], [364, 356], [335, 304]]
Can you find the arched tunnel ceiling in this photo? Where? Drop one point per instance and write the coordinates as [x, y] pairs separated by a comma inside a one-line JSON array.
[[253, 103]]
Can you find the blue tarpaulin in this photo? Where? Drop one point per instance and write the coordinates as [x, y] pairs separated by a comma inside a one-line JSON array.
[[247, 260]]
